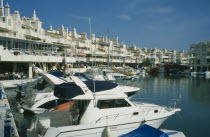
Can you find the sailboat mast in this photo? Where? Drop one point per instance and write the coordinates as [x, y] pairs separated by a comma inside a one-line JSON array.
[[94, 89], [108, 61], [91, 41]]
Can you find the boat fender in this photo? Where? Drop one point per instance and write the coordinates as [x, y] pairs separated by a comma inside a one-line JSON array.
[[107, 130], [21, 111]]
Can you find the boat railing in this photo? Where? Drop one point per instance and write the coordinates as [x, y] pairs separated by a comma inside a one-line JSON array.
[[147, 100], [159, 110], [173, 104], [143, 112], [170, 103], [40, 52], [114, 116]]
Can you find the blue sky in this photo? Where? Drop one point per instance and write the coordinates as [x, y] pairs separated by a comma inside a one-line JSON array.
[[171, 24]]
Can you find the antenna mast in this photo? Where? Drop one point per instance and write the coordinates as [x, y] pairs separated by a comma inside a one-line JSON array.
[[94, 87], [108, 50], [91, 41]]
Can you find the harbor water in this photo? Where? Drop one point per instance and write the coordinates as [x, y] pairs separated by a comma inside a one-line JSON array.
[[192, 95]]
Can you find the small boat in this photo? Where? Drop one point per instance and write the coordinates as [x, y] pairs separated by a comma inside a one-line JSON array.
[[128, 72], [117, 68], [205, 74], [142, 72]]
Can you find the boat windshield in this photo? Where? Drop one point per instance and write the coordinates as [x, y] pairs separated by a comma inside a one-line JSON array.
[[112, 103]]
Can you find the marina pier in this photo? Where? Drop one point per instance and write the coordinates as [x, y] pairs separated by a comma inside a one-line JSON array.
[[7, 123]]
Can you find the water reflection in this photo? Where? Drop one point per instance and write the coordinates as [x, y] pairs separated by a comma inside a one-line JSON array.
[[194, 119], [199, 90]]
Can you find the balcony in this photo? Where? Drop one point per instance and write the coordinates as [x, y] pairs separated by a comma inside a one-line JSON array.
[[32, 33], [165, 57], [81, 45], [130, 61], [5, 27], [192, 57], [99, 53], [86, 51], [116, 60], [81, 59], [97, 59]]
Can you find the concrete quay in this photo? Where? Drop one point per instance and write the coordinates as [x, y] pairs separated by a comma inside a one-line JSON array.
[[7, 124]]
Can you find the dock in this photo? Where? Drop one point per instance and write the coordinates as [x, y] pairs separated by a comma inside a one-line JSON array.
[[7, 124], [13, 83]]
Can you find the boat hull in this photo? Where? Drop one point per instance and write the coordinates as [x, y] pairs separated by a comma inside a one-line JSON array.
[[156, 123], [98, 130], [91, 130]]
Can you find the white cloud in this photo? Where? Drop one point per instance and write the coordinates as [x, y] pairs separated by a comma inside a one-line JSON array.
[[162, 10], [81, 17], [124, 17], [133, 3]]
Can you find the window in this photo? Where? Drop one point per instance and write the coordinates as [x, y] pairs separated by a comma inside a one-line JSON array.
[[114, 103], [192, 55], [16, 45], [4, 43], [204, 48], [208, 61], [192, 49]]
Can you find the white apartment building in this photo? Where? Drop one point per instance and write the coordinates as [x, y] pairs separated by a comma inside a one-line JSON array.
[[160, 56], [199, 56], [24, 42]]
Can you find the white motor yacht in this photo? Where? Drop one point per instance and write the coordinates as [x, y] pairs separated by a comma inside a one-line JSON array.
[[96, 114]]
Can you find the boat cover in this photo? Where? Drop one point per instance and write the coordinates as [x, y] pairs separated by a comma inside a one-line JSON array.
[[82, 75], [56, 73], [67, 90], [99, 85], [145, 131]]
